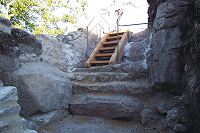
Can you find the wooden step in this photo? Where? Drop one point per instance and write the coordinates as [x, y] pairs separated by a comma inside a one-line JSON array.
[[103, 55], [114, 38], [110, 43], [115, 34], [106, 48], [105, 52], [99, 62]]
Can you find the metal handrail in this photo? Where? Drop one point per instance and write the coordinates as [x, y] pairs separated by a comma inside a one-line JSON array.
[[87, 28]]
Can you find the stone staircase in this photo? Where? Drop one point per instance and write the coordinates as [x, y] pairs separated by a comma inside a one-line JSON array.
[[116, 98], [111, 92]]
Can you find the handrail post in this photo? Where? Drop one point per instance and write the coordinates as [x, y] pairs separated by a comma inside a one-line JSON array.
[[87, 30], [118, 38]]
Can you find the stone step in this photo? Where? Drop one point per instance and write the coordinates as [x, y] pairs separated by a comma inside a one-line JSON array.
[[106, 106], [100, 76], [83, 124], [134, 88], [134, 67]]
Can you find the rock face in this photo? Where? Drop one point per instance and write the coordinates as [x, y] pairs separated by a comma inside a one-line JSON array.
[[41, 88], [9, 49], [16, 46], [148, 116], [30, 47], [167, 63], [10, 121], [138, 48], [41, 120], [67, 51], [27, 42]]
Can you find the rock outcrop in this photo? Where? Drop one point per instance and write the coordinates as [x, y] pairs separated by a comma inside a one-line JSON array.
[[67, 51], [138, 47], [16, 46], [41, 88], [166, 43], [10, 120]]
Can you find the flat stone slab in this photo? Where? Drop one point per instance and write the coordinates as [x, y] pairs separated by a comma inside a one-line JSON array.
[[133, 67], [100, 76], [106, 106], [81, 124], [137, 87]]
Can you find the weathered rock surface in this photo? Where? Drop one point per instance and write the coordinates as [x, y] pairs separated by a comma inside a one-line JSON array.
[[106, 106], [100, 76], [67, 51], [41, 120], [5, 25], [136, 51], [138, 87], [16, 46], [135, 68], [41, 88], [166, 42], [10, 121], [27, 42], [138, 47], [148, 117], [172, 117], [80, 124], [8, 46]]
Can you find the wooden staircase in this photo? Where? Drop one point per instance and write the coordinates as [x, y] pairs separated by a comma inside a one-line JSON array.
[[109, 50]]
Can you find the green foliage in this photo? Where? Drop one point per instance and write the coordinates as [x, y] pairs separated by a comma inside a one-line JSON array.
[[42, 16]]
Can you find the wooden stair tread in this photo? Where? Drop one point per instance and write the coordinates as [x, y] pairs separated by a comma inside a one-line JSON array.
[[103, 55], [105, 52], [114, 37], [111, 42], [99, 62], [115, 34], [107, 48]]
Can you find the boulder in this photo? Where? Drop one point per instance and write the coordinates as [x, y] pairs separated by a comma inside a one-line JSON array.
[[41, 88], [41, 120]]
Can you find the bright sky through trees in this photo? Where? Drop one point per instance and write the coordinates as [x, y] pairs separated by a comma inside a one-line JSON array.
[[62, 16], [135, 11]]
